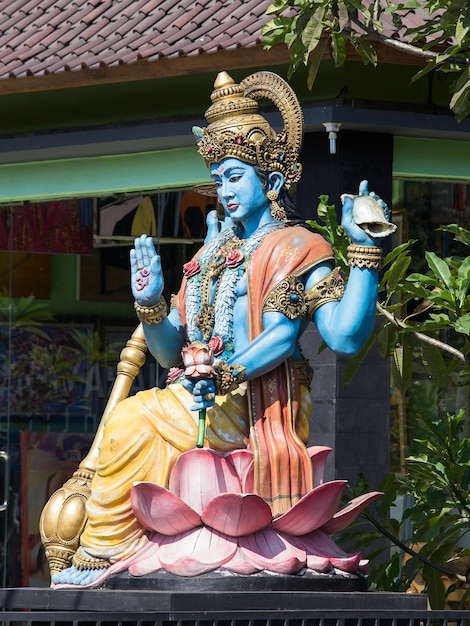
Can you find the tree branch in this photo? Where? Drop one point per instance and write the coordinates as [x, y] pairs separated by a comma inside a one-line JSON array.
[[421, 336], [408, 48], [411, 552]]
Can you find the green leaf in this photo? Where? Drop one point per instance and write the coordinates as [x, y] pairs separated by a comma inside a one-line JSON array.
[[343, 15], [462, 325], [439, 267], [365, 49], [429, 67], [338, 48], [461, 31], [415, 290], [278, 6], [460, 234], [312, 32], [435, 363], [395, 274], [355, 361], [403, 248], [463, 278], [315, 60], [460, 101]]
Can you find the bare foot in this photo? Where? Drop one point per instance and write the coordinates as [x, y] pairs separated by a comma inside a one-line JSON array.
[[78, 577]]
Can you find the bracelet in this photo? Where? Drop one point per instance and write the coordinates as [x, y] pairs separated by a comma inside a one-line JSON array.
[[83, 561], [151, 314], [369, 257], [227, 377]]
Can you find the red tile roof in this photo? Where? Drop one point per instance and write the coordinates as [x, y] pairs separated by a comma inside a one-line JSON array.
[[49, 37], [39, 37]]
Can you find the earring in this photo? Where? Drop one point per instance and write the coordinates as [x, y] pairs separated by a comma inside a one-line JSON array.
[[277, 211]]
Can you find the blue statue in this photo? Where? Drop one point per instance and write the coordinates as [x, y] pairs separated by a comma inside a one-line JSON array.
[[213, 471]]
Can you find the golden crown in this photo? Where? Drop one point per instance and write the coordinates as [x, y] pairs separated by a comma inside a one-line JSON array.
[[237, 130]]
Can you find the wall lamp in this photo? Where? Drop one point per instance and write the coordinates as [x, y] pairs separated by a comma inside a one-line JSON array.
[[332, 128]]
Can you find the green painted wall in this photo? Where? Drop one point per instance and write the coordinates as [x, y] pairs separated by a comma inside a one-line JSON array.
[[120, 103], [100, 176], [431, 158]]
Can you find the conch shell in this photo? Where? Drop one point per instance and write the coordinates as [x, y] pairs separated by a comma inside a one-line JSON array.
[[369, 215]]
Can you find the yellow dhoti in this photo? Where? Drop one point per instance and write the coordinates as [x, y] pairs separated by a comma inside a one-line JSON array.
[[142, 439]]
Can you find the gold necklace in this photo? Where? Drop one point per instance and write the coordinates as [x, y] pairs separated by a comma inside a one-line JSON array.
[[205, 319]]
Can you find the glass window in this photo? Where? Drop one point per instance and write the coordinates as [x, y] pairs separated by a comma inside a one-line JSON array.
[[66, 311], [420, 207]]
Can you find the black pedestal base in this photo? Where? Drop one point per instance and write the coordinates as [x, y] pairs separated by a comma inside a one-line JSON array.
[[213, 605], [228, 582]]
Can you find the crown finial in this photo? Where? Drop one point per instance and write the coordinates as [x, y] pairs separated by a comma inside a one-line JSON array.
[[223, 80]]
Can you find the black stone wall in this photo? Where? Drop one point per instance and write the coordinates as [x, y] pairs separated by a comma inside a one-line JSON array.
[[359, 156], [353, 420]]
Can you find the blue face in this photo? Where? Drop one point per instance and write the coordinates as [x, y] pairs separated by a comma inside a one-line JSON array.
[[240, 190]]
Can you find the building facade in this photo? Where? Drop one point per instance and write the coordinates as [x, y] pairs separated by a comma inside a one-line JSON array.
[[98, 101]]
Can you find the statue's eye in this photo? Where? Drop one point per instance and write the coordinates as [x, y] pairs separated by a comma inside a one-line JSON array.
[[235, 178]]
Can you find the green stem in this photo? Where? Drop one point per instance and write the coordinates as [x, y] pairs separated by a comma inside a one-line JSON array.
[[411, 552], [201, 428]]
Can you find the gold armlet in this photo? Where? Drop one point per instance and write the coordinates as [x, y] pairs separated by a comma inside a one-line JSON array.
[[369, 257], [151, 314], [227, 377], [328, 289], [288, 297]]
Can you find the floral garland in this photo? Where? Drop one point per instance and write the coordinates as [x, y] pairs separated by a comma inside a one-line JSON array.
[[233, 261]]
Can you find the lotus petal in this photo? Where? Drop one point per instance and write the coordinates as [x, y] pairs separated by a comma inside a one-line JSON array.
[[200, 475], [146, 561], [318, 456], [318, 543], [320, 564], [159, 510], [348, 563], [242, 460], [343, 518], [243, 463], [248, 479], [269, 550], [196, 552], [237, 514], [316, 562], [311, 511], [238, 564]]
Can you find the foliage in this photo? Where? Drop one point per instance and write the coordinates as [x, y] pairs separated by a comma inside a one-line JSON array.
[[431, 342], [440, 340], [436, 487], [439, 35]]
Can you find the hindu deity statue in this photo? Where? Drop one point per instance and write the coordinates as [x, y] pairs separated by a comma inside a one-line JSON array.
[[212, 472]]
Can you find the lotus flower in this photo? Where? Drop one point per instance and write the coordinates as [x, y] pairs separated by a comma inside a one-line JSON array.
[[198, 360], [209, 518]]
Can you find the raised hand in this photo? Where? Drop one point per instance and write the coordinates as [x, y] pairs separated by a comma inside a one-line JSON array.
[[146, 272], [357, 234], [215, 226]]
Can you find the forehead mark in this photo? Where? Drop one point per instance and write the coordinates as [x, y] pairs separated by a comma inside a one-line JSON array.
[[218, 171]]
